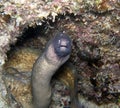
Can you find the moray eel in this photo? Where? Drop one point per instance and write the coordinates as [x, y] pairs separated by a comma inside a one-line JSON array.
[[56, 53]]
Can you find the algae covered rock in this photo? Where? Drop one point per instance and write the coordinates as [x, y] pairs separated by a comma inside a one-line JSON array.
[[93, 26]]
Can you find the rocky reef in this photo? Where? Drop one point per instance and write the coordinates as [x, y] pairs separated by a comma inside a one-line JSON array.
[[93, 26]]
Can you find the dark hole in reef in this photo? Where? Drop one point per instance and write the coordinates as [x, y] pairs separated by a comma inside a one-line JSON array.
[[32, 33]]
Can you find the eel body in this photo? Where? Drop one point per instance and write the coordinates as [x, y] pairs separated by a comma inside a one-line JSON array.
[[56, 53]]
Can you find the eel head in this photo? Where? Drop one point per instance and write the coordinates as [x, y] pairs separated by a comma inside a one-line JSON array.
[[59, 48]]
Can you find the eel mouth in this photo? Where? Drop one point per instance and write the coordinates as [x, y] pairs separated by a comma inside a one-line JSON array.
[[62, 45]]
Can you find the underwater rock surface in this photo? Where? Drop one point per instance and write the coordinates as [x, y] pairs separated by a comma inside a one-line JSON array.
[[94, 29]]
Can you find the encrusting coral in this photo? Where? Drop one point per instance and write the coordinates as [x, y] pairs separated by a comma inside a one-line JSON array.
[[93, 26]]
